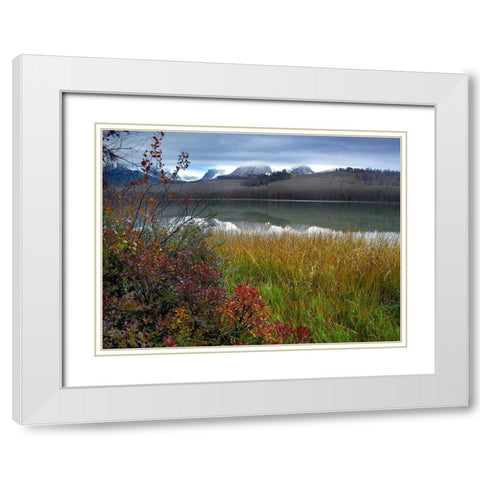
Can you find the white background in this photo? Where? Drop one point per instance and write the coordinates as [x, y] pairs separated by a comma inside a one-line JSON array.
[[84, 369], [346, 34]]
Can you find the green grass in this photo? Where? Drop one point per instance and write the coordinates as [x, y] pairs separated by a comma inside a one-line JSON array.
[[344, 289]]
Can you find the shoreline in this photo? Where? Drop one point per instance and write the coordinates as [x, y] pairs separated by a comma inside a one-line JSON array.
[[208, 199]]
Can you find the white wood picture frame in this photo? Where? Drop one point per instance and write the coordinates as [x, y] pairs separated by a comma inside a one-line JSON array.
[[39, 396]]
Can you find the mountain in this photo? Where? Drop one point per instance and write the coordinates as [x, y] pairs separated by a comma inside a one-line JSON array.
[[121, 175], [212, 173], [302, 170], [253, 171], [250, 171]]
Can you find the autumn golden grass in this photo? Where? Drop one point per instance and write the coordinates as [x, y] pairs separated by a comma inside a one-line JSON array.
[[343, 288]]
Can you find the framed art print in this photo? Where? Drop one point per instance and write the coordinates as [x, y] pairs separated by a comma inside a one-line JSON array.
[[217, 240]]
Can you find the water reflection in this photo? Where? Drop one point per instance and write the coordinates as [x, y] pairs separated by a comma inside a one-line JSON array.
[[301, 217]]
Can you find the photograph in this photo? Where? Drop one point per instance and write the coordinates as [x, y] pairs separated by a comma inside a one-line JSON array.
[[241, 238]]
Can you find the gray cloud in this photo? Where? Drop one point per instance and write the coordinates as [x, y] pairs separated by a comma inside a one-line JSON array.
[[228, 151]]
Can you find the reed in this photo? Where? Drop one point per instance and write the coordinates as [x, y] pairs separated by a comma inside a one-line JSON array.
[[343, 288]]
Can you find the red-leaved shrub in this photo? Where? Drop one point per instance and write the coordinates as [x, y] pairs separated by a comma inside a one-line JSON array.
[[159, 297], [162, 285]]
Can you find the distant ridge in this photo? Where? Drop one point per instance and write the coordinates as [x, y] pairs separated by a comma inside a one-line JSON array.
[[345, 185]]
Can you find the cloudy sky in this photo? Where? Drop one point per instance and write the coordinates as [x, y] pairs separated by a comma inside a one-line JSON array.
[[227, 151]]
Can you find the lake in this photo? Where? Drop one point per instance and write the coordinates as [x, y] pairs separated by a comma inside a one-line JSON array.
[[298, 215]]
